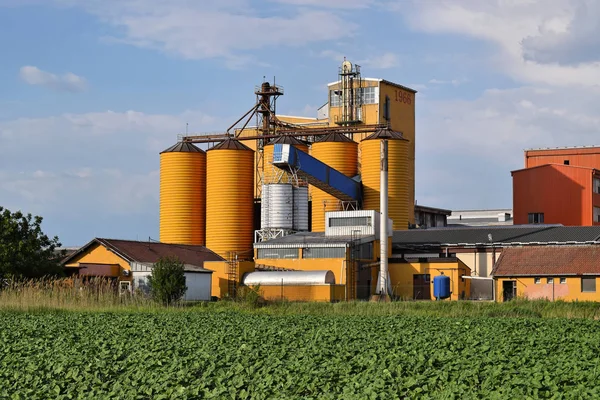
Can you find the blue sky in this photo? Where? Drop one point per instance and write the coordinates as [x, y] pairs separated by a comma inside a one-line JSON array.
[[91, 91]]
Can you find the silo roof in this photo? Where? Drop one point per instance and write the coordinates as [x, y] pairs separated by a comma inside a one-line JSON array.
[[183, 147], [285, 139], [230, 144], [335, 137], [385, 133]]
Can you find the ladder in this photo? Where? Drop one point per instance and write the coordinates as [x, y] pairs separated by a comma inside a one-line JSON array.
[[232, 274]]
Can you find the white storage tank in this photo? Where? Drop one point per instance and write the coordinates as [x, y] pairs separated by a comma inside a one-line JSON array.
[[301, 208], [278, 206]]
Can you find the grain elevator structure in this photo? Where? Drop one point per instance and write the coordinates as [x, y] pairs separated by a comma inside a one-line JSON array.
[[299, 194]]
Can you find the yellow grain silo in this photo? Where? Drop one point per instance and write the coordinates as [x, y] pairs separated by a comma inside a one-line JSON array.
[[398, 175], [340, 153], [183, 194], [271, 173], [230, 199]]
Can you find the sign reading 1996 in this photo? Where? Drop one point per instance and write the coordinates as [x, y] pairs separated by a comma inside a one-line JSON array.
[[402, 96]]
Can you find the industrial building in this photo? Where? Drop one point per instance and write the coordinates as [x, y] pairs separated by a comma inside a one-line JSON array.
[[488, 217], [301, 199], [558, 186]]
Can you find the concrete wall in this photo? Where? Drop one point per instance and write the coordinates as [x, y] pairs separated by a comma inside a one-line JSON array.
[[326, 293]]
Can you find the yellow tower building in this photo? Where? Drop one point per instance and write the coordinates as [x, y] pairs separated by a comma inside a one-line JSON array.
[[230, 199], [398, 176], [183, 194]]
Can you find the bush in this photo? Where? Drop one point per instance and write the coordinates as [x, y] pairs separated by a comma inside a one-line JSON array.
[[167, 281]]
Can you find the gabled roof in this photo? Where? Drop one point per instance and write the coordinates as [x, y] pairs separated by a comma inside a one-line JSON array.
[[501, 235], [151, 252], [548, 260]]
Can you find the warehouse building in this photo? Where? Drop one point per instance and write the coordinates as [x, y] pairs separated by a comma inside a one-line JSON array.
[[569, 273], [129, 264], [558, 186], [488, 217]]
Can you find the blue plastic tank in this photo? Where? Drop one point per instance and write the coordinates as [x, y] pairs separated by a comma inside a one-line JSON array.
[[441, 287]]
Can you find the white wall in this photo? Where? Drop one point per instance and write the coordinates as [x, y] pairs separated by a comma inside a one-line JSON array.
[[198, 284]]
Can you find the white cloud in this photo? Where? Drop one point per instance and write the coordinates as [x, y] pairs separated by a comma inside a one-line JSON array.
[[523, 32], [478, 142], [453, 82], [339, 4], [384, 61], [93, 167], [227, 29], [68, 82]]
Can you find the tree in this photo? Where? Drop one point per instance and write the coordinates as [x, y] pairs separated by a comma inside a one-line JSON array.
[[25, 251], [167, 281]]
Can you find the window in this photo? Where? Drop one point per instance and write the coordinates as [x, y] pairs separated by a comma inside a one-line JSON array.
[[550, 280], [596, 185], [277, 253], [537, 280], [349, 221], [335, 98], [566, 162], [596, 214], [324, 252], [588, 284], [369, 95], [536, 218], [563, 281]]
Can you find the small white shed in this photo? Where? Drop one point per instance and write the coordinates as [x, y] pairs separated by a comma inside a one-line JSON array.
[[197, 279]]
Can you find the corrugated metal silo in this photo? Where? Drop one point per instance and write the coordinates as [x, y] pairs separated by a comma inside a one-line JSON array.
[[230, 199], [340, 153], [183, 194], [398, 175], [270, 173]]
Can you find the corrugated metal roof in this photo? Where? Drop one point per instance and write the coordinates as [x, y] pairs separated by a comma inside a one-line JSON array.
[[512, 234], [385, 133], [335, 137], [548, 260], [183, 147], [230, 144]]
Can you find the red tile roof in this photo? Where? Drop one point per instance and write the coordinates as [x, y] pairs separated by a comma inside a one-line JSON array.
[[151, 252], [548, 260]]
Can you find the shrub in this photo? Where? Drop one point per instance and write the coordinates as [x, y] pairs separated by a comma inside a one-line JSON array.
[[167, 281]]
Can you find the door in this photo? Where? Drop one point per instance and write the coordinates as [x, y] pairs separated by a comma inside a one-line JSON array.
[[509, 290], [422, 287]]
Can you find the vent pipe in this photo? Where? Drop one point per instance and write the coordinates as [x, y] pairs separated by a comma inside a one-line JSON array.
[[383, 281]]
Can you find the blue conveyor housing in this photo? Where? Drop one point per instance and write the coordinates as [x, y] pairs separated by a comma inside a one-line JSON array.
[[315, 172]]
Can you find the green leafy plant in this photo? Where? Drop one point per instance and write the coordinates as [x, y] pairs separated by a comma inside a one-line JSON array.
[[167, 281], [25, 251]]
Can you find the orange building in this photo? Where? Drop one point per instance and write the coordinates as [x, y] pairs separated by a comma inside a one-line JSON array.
[[558, 186], [577, 156], [556, 194]]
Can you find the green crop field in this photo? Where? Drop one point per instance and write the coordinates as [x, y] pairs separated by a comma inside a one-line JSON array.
[[235, 355]]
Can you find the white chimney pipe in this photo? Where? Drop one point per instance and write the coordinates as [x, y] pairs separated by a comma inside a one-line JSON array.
[[383, 226]]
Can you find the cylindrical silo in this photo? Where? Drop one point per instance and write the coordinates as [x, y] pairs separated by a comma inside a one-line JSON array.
[[183, 194], [277, 204], [340, 153], [230, 199], [398, 179], [272, 174]]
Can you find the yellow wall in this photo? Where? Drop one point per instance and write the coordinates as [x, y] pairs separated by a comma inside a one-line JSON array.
[[326, 293], [401, 276], [569, 291], [481, 264], [220, 276], [98, 254]]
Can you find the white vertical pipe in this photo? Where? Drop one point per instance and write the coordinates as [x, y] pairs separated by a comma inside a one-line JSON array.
[[383, 228]]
